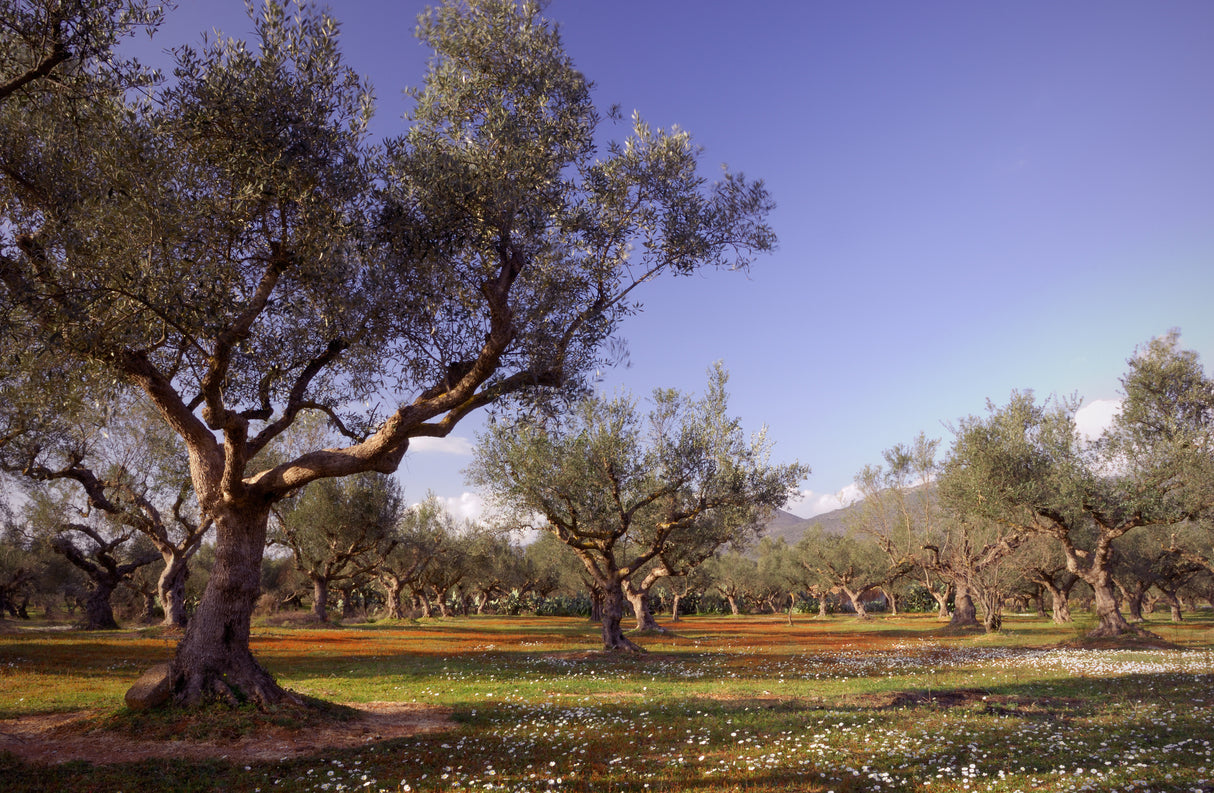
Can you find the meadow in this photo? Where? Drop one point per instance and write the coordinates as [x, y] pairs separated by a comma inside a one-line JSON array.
[[724, 704]]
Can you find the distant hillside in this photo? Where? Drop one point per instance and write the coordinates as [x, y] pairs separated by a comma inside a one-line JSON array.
[[791, 528]]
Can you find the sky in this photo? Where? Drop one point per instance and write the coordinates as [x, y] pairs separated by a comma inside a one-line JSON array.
[[972, 198]]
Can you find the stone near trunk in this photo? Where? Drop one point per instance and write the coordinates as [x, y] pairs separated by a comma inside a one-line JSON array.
[[151, 690]]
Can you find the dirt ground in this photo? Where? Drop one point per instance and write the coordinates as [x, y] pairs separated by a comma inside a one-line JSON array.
[[47, 739]]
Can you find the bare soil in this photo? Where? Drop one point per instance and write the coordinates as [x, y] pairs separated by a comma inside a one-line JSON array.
[[50, 738]]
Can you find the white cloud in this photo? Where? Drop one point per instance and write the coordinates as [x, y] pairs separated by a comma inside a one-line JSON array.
[[1096, 416], [465, 506], [449, 445], [808, 503]]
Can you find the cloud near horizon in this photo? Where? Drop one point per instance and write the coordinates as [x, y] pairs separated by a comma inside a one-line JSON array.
[[465, 506], [808, 503]]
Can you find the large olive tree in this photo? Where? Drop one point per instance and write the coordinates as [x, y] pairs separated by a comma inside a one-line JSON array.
[[230, 243]]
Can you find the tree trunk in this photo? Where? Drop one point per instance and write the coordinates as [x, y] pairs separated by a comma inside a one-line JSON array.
[[171, 589], [596, 605], [733, 605], [349, 604], [1111, 623], [613, 613], [640, 609], [856, 603], [1061, 601], [941, 598], [213, 660], [1134, 599], [892, 600], [822, 612], [424, 601], [320, 598], [1173, 605], [674, 608], [393, 589], [149, 607], [964, 614], [98, 612]]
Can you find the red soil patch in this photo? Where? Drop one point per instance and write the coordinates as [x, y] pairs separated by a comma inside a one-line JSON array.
[[48, 739]]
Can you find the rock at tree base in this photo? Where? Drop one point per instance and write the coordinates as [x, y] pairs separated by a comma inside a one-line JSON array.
[[151, 690]]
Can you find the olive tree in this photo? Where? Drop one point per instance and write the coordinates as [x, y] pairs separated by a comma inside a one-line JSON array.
[[629, 492], [230, 243], [336, 530], [116, 460], [1024, 467]]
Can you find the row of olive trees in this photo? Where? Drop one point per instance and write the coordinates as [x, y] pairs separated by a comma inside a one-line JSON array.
[[356, 536], [1022, 501]]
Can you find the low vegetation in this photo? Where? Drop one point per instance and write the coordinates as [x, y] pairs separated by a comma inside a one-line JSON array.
[[724, 704]]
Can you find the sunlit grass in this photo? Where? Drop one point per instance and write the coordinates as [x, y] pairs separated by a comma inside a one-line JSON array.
[[724, 704]]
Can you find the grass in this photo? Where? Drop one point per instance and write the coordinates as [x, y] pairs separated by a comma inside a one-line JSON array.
[[726, 704]]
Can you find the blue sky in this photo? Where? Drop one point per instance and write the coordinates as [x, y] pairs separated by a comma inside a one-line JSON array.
[[972, 198]]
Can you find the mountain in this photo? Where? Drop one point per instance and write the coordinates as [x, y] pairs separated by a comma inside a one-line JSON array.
[[791, 527]]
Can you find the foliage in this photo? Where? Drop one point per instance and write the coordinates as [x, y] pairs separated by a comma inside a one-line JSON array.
[[228, 242], [633, 496]]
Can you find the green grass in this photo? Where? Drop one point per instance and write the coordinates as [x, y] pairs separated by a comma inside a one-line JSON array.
[[725, 705]]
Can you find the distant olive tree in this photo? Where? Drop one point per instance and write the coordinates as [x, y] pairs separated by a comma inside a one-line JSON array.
[[629, 493]]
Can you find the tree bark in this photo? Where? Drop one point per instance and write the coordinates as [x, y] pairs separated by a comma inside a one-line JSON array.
[[393, 588], [965, 615], [613, 614], [1039, 602], [320, 598], [1061, 601], [1173, 602], [641, 611], [213, 659], [733, 605], [941, 598], [674, 608], [1111, 623], [892, 600], [171, 589], [98, 611]]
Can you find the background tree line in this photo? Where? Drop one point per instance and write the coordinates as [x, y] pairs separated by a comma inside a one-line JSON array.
[[1021, 512]]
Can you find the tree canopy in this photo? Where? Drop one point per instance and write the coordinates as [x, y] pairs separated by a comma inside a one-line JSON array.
[[230, 242], [626, 491]]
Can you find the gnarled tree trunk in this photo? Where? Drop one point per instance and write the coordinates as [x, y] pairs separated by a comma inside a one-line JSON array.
[[613, 614], [171, 589], [98, 611], [392, 588], [213, 659], [1111, 622], [856, 603], [642, 612], [965, 615], [941, 599]]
